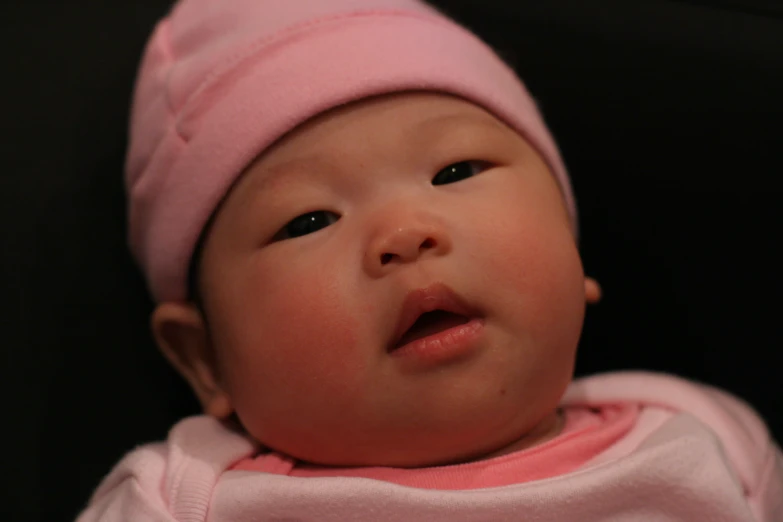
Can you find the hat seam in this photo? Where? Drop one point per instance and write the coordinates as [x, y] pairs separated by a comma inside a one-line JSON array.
[[240, 56], [168, 52]]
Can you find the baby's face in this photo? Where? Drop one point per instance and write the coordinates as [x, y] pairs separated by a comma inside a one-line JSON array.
[[341, 235]]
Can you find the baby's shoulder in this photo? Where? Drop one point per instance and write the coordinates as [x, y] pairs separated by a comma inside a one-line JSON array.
[[705, 402], [740, 430], [159, 480]]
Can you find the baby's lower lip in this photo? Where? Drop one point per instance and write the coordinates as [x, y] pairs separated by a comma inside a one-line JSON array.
[[442, 346]]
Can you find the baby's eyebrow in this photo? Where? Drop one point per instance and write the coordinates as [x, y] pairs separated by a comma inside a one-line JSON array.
[[450, 119], [275, 174], [296, 170], [454, 130]]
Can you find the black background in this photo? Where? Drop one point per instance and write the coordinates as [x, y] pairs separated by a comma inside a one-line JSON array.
[[668, 114]]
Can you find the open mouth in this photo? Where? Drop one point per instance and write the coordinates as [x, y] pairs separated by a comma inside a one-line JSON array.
[[430, 323]]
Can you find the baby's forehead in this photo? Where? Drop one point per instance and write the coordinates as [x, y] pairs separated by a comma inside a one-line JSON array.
[[391, 123]]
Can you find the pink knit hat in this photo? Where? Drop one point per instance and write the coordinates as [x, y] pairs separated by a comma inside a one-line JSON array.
[[221, 80]]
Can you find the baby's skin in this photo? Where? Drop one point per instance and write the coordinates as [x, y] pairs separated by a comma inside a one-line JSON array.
[[394, 283]]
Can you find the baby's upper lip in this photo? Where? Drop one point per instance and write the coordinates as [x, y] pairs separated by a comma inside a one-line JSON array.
[[437, 296]]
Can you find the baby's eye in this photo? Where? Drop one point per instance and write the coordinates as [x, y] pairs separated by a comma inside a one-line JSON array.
[[307, 224], [458, 172]]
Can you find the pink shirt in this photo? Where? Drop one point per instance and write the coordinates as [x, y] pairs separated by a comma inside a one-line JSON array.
[[692, 452]]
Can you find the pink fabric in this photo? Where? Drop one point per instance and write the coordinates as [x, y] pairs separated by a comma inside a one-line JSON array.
[[586, 434], [221, 81], [693, 453]]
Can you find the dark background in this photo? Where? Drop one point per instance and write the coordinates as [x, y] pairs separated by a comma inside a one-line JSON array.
[[668, 114]]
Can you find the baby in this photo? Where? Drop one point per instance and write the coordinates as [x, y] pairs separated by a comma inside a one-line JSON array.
[[362, 242]]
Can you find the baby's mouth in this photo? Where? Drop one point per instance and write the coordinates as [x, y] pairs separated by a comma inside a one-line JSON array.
[[430, 323], [429, 311]]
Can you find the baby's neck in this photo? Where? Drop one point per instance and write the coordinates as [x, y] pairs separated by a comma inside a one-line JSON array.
[[549, 428]]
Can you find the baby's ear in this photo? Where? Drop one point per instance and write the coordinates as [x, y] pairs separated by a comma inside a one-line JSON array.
[[592, 290], [181, 334]]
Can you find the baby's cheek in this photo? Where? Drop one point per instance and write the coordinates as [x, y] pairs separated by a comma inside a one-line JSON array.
[[542, 278], [309, 340]]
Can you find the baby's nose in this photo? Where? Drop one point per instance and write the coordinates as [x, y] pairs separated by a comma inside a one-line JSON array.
[[404, 243]]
